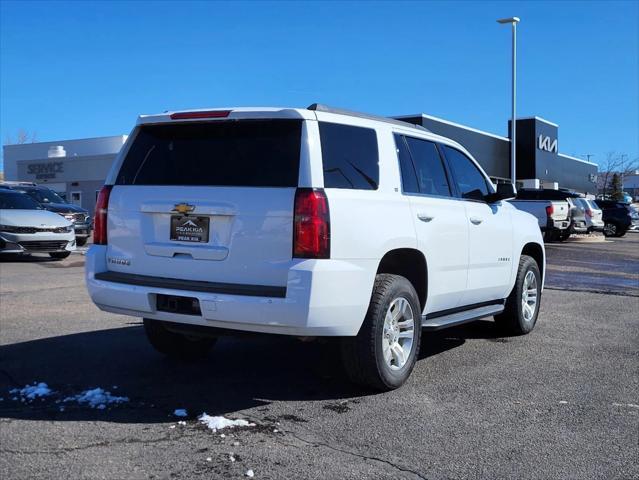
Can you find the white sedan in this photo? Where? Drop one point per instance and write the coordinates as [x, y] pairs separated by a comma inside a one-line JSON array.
[[26, 228]]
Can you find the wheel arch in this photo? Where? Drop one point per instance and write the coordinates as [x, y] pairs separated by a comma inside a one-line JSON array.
[[411, 264], [536, 251]]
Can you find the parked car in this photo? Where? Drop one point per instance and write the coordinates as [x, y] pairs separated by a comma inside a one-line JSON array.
[[53, 202], [578, 216], [553, 214], [309, 222], [27, 228], [593, 214], [618, 217]]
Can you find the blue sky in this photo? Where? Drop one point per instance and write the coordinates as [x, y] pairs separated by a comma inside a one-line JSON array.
[[86, 69]]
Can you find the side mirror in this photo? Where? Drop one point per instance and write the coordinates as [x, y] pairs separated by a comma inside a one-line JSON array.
[[505, 191]]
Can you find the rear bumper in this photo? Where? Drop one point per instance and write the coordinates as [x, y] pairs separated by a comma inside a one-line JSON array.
[[321, 298]]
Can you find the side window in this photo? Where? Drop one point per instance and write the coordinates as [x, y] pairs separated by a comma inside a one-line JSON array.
[[431, 176], [470, 181], [350, 156], [409, 177]]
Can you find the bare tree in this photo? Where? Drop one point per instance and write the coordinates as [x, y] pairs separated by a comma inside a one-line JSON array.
[[22, 137], [615, 164]]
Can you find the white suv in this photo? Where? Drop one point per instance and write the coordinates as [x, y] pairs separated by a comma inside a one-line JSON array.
[[309, 222]]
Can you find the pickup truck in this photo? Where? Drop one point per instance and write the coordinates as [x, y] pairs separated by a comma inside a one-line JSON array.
[[553, 216]]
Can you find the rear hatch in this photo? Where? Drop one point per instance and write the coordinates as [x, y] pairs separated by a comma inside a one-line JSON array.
[[207, 201]]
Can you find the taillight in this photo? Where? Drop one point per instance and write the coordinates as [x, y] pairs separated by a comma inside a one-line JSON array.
[[550, 210], [311, 224], [207, 114], [589, 213], [100, 219]]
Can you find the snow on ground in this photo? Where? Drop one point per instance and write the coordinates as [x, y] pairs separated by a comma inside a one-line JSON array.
[[250, 473], [218, 423], [31, 392], [180, 412], [96, 398]]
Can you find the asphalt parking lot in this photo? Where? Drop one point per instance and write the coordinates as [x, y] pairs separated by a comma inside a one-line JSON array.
[[560, 403]]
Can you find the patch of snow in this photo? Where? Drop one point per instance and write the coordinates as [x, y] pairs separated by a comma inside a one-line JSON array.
[[97, 398], [236, 444], [31, 392], [562, 402], [180, 412], [182, 422], [218, 423], [209, 459], [172, 426], [250, 473]]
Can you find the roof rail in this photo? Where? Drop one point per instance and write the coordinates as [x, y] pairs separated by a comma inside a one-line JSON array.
[[318, 107]]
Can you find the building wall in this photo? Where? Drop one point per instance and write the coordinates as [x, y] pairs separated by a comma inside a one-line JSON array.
[[491, 151]]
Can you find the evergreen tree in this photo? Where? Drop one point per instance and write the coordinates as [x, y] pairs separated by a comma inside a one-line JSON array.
[[616, 188]]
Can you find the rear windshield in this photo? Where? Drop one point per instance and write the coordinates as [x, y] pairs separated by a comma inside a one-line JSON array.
[[18, 201], [250, 153]]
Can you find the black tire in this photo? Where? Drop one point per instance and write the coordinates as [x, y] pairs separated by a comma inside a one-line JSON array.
[[176, 345], [563, 236], [621, 232], [513, 321], [610, 229], [59, 255], [81, 242], [362, 355]]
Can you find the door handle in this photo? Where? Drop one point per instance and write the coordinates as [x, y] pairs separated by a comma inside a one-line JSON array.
[[424, 218], [476, 220]]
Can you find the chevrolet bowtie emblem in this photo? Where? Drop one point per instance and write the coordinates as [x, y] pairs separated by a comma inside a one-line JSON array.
[[183, 208]]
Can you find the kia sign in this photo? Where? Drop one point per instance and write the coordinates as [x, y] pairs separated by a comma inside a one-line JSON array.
[[45, 171], [545, 143]]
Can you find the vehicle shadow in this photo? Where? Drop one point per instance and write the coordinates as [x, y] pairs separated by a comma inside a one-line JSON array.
[[30, 258], [240, 373]]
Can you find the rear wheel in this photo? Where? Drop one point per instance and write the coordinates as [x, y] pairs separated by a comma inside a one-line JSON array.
[[522, 305], [610, 229], [384, 352], [621, 232], [59, 255], [176, 345]]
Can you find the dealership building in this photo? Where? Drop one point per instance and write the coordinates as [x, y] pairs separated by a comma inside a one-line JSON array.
[[76, 169]]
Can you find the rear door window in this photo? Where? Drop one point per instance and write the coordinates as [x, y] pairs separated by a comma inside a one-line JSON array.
[[407, 170], [248, 153], [350, 156], [431, 175]]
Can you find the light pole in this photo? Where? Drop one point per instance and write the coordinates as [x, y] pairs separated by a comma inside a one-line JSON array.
[[513, 128]]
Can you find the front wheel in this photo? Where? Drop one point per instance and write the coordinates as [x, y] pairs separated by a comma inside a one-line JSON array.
[[384, 352], [81, 242], [59, 255], [522, 305], [176, 345]]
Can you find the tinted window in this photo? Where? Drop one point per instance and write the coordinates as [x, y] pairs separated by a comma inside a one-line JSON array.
[[350, 156], [409, 177], [44, 195], [18, 201], [470, 181], [431, 176], [235, 153]]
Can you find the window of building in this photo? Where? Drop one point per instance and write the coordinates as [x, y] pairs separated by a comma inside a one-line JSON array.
[[350, 156], [470, 181]]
